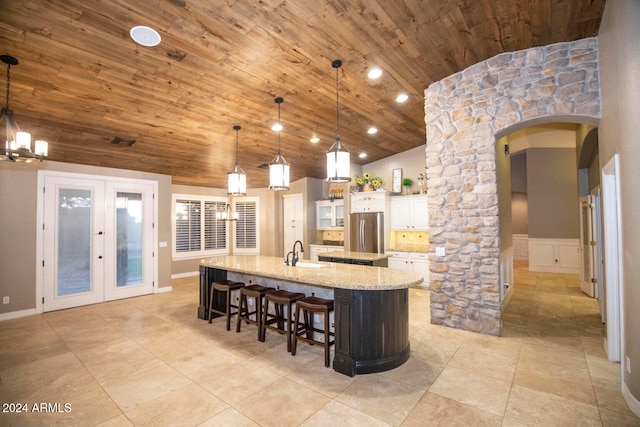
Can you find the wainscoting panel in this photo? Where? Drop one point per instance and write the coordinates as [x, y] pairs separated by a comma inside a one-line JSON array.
[[554, 255]]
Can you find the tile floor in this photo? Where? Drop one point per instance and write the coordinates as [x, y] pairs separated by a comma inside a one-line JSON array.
[[150, 361]]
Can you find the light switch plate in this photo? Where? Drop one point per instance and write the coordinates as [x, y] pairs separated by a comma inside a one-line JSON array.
[[440, 251]]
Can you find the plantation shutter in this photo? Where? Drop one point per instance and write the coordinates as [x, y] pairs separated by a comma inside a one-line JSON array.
[[188, 225], [215, 231], [247, 225]]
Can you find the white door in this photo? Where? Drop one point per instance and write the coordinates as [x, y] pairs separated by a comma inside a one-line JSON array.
[[587, 247], [73, 242], [293, 221], [128, 262], [98, 240]]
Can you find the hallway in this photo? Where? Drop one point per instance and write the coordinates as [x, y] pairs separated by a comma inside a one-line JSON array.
[[149, 361]]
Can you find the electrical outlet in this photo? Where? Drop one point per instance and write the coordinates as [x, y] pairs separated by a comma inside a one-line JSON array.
[[628, 365], [5, 300]]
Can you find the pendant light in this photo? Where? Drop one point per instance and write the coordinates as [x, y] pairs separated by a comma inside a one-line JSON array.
[[338, 157], [237, 180], [278, 168], [18, 144]]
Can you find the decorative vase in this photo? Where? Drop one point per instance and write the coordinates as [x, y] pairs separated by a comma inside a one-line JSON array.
[[367, 187]]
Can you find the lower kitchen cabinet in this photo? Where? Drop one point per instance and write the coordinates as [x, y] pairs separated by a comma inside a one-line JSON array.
[[315, 250], [418, 262]]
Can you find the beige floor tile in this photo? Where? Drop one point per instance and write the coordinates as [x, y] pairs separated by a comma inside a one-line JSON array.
[[87, 408], [119, 421], [567, 381], [417, 372], [283, 403], [234, 382], [316, 377], [129, 392], [534, 408], [438, 411], [187, 406], [201, 364], [229, 418], [601, 367], [337, 414], [618, 419], [381, 398], [472, 389]]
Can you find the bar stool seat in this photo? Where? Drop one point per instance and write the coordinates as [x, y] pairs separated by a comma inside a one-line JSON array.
[[280, 298], [226, 286], [304, 328], [257, 292]]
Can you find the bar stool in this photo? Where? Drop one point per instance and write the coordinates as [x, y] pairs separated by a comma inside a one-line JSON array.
[[257, 292], [224, 286], [304, 331], [280, 299]]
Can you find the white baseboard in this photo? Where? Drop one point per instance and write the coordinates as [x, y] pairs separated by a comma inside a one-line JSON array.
[[164, 289], [187, 274], [632, 402], [17, 314]]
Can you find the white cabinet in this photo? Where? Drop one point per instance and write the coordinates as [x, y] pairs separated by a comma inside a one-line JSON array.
[[410, 213], [330, 215], [418, 262], [369, 201], [293, 216], [315, 250]]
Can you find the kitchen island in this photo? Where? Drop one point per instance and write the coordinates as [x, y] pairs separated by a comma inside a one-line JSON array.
[[371, 303]]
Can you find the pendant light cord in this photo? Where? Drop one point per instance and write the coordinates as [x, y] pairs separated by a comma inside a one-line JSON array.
[[8, 83], [279, 122], [236, 128], [337, 104]]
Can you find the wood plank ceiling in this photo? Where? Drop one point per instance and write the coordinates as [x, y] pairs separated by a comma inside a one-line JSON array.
[[82, 81]]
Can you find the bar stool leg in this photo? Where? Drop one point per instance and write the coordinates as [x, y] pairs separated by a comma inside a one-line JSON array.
[[326, 339], [242, 310], [295, 331], [211, 303]]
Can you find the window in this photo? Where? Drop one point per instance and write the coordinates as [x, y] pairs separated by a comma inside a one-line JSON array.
[[197, 232], [247, 227]]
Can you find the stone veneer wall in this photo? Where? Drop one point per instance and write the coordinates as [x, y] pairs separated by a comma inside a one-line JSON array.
[[465, 114]]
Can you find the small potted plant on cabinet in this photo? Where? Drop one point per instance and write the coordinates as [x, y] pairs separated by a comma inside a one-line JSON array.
[[406, 183]]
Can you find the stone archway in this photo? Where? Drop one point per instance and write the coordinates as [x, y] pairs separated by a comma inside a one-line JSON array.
[[465, 114]]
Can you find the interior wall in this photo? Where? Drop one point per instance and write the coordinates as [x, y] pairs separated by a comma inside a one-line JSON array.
[[618, 133], [412, 162], [552, 193], [519, 213], [503, 178]]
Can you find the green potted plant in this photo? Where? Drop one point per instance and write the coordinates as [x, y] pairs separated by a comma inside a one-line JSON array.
[[406, 183]]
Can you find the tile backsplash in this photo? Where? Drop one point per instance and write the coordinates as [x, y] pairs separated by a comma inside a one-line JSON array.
[[333, 236], [410, 241]]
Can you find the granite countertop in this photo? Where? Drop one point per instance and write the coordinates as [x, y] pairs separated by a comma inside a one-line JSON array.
[[330, 275], [360, 256]]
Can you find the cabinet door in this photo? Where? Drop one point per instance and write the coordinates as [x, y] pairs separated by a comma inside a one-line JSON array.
[[398, 260], [420, 214], [293, 220], [420, 265], [324, 215], [400, 213], [339, 215]]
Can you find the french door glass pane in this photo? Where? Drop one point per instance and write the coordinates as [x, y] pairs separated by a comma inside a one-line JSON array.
[[128, 239], [74, 242]]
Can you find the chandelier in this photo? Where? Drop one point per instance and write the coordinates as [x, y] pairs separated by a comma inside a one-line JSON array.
[[237, 180], [338, 157], [227, 214], [278, 168], [17, 143]]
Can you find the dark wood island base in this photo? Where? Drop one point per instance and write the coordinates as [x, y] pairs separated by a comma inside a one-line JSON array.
[[372, 330]]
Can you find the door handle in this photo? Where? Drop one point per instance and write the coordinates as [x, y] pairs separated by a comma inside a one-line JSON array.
[[100, 257], [99, 233]]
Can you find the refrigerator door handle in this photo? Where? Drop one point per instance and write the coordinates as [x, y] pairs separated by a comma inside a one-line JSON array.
[[362, 238]]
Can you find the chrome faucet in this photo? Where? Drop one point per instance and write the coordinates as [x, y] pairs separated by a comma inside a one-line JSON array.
[[294, 258]]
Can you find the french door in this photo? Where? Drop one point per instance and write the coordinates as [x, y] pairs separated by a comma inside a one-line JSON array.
[[98, 240]]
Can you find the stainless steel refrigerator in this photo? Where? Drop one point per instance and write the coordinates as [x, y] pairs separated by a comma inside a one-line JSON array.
[[366, 232]]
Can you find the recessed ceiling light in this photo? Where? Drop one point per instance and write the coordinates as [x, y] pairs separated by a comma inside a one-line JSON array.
[[374, 73], [145, 36], [277, 127], [402, 97], [362, 155], [372, 130], [314, 140]]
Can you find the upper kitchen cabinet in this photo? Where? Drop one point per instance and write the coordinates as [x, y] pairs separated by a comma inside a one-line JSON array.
[[330, 215], [410, 213], [369, 201]]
